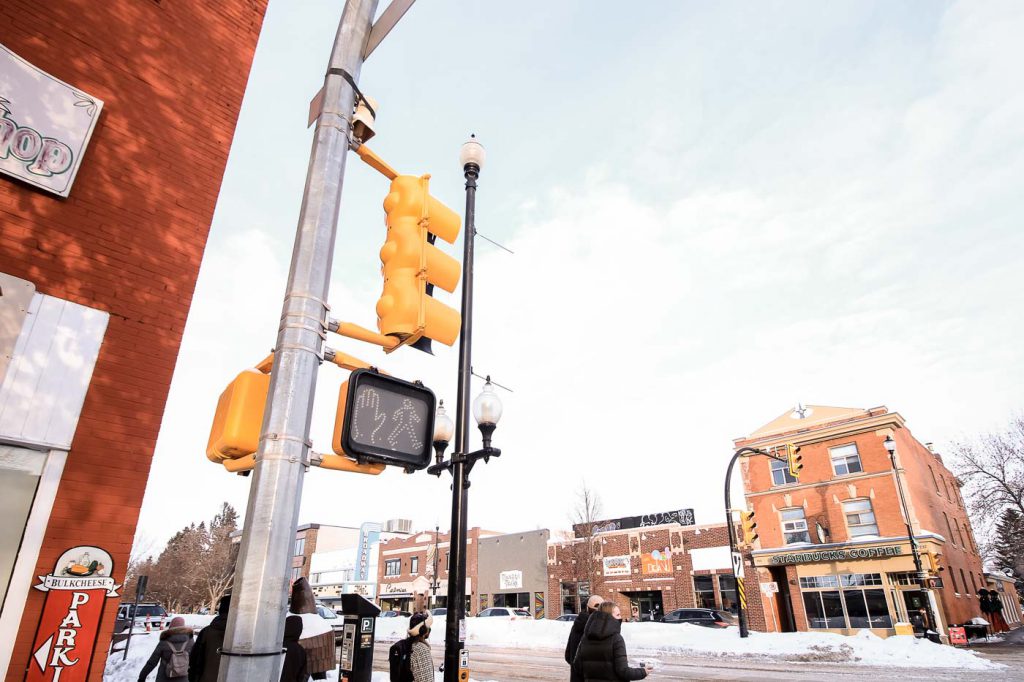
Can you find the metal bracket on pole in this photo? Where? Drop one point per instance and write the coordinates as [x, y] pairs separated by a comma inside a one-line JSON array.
[[388, 18]]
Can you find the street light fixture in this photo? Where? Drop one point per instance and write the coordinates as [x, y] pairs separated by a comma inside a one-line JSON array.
[[486, 409], [890, 446], [444, 427]]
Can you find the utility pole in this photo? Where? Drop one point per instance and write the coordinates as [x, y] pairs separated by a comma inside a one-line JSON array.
[[259, 602]]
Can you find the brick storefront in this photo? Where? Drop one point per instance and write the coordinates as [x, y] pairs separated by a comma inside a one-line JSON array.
[[126, 243], [835, 540], [695, 572]]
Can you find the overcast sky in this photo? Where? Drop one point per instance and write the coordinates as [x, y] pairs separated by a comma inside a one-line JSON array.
[[717, 210]]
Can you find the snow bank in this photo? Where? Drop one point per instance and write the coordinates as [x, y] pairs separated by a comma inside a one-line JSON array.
[[650, 640]]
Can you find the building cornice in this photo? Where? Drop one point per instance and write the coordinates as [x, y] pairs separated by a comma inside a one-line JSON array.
[[823, 432]]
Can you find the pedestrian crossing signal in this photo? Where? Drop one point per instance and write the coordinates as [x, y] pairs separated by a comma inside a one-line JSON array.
[[385, 420], [795, 460]]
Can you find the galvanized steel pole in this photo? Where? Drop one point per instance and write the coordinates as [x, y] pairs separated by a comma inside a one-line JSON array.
[[255, 629]]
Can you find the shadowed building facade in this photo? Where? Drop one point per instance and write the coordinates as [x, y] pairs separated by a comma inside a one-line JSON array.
[[96, 282]]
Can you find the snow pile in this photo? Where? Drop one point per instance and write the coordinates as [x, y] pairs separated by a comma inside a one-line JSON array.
[[651, 639]]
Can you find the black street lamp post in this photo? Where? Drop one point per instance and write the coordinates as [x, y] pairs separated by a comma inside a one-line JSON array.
[[486, 409], [890, 446]]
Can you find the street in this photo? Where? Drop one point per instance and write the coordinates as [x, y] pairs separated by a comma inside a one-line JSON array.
[[507, 665]]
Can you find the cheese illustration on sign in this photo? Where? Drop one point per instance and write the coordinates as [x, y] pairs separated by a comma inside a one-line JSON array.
[[63, 646]]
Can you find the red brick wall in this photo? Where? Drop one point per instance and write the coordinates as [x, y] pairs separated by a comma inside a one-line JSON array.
[[130, 237], [677, 592], [421, 548]]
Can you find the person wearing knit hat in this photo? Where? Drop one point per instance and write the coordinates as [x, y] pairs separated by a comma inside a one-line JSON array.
[[171, 655], [576, 635], [421, 661]]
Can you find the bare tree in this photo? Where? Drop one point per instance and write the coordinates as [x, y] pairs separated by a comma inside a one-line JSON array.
[[991, 469], [585, 515]]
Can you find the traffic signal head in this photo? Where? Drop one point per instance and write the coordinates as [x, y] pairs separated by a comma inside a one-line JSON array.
[[749, 527], [412, 265], [239, 417], [384, 420], [795, 460]]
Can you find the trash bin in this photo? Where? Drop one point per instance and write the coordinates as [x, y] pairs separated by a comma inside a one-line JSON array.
[[360, 616]]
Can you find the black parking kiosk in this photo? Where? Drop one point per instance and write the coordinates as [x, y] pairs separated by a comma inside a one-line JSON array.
[[360, 616]]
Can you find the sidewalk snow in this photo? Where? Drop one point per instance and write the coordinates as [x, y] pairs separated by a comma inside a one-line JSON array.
[[648, 640]]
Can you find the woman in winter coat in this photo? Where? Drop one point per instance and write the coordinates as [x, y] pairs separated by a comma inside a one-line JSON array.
[[171, 653], [296, 667], [602, 653], [420, 661]]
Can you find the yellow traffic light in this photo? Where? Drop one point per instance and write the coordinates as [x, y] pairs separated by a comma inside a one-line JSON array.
[[239, 416], [749, 527], [795, 460], [412, 265]]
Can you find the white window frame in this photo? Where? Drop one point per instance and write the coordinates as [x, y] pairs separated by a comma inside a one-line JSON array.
[[792, 526], [787, 478], [850, 526], [835, 454], [28, 554], [387, 567]]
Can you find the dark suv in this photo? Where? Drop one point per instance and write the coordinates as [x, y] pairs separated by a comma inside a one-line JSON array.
[[707, 617]]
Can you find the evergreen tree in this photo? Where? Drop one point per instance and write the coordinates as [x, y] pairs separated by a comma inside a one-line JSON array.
[[1009, 545]]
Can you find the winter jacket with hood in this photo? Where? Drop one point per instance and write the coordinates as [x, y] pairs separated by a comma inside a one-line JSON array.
[[178, 637], [296, 667], [572, 646], [204, 662], [602, 653]]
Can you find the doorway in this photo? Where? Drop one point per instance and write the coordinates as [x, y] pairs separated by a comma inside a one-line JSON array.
[[648, 603], [783, 600]]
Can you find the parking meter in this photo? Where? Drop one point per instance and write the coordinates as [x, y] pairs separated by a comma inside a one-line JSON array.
[[360, 616]]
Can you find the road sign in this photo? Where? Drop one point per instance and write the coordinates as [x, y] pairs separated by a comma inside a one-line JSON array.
[[387, 420], [737, 564], [769, 588]]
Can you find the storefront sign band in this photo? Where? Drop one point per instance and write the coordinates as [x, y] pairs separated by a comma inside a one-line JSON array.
[[838, 555]]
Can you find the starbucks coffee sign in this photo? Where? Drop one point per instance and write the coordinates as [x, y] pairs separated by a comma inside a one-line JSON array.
[[839, 555]]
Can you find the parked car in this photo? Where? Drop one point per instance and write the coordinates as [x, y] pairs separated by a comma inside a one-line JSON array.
[[336, 622], [149, 613], [505, 612], [439, 611], [394, 614], [567, 617], [707, 617]]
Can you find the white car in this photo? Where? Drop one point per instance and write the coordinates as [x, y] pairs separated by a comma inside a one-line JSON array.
[[505, 612]]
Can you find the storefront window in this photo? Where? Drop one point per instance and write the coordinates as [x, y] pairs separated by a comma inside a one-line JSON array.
[[704, 591], [517, 600], [727, 588], [20, 470], [574, 596], [851, 607]]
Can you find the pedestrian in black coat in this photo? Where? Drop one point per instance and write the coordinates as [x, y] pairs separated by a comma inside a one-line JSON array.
[[204, 661], [295, 667], [576, 636], [602, 653]]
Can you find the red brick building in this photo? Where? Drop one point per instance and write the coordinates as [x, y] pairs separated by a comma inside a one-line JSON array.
[[835, 541], [405, 570], [97, 277], [647, 570]]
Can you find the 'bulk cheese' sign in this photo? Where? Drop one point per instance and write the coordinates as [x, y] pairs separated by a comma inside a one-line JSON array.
[[76, 590]]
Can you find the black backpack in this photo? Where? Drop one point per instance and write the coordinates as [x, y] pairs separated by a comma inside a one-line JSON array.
[[399, 659]]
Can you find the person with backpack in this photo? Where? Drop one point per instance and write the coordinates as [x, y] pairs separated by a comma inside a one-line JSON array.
[[409, 659], [171, 653]]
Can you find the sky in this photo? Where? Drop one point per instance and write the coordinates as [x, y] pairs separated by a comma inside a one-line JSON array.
[[717, 210]]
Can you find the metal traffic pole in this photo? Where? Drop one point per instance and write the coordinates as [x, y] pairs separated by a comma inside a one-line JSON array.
[[259, 602]]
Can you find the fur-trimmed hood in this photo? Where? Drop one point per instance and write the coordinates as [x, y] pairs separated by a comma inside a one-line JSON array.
[[184, 631]]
